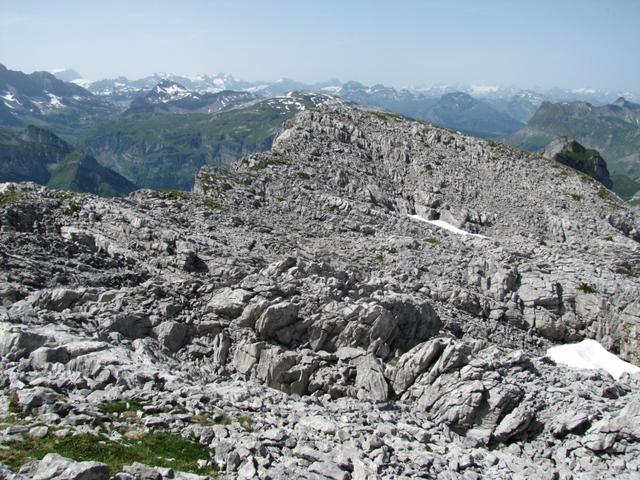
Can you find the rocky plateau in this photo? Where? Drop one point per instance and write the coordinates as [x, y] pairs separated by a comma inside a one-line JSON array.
[[371, 298]]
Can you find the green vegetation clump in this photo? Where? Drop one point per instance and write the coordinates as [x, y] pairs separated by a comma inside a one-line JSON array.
[[449, 140], [587, 288], [577, 197], [492, 143], [582, 161], [9, 198], [333, 208], [71, 209], [211, 204], [432, 240], [609, 238], [266, 163], [119, 406], [380, 257], [13, 406], [158, 449], [223, 420], [173, 194], [386, 116], [246, 422], [304, 175], [603, 193], [428, 168]]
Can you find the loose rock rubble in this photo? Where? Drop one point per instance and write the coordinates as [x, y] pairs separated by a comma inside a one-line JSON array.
[[293, 318]]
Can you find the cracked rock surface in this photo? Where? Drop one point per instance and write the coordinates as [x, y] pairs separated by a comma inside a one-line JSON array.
[[298, 316]]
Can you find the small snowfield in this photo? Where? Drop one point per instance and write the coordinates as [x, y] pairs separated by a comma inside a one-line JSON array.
[[447, 226], [590, 355]]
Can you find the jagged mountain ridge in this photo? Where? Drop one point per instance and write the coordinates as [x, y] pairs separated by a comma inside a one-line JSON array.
[[171, 97], [413, 351], [42, 99]]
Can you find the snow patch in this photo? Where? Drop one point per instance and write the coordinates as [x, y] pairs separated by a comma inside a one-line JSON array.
[[590, 355], [584, 90], [484, 89], [447, 226], [332, 89], [9, 99], [55, 101], [82, 82]]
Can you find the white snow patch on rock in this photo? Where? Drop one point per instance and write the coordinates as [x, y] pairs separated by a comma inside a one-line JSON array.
[[590, 355], [447, 226]]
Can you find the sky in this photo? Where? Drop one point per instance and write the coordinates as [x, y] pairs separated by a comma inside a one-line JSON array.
[[528, 43]]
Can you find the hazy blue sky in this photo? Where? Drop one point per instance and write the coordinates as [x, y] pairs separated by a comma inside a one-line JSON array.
[[542, 43]]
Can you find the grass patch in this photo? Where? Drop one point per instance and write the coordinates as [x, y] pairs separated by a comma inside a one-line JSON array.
[[432, 240], [387, 116], [9, 198], [333, 208], [71, 209], [14, 406], [158, 449], [119, 406], [380, 257], [428, 168], [246, 422], [609, 238], [577, 197], [211, 204], [207, 421], [587, 288], [604, 193], [303, 175], [265, 163], [492, 143], [449, 140], [172, 194]]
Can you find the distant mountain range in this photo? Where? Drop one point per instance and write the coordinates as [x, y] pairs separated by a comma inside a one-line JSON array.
[[218, 82], [171, 97], [42, 99], [158, 130]]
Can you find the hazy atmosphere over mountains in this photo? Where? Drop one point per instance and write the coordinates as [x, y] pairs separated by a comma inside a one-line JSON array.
[[393, 240], [413, 43]]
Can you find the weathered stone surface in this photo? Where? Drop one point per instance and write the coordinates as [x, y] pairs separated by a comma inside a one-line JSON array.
[[171, 335], [16, 343], [314, 327], [54, 466], [370, 380], [229, 302], [275, 318]]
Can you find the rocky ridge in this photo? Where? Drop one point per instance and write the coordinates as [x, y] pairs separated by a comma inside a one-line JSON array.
[[306, 315], [569, 152]]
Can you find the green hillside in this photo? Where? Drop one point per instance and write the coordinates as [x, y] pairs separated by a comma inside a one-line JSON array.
[[38, 155], [167, 150], [613, 130]]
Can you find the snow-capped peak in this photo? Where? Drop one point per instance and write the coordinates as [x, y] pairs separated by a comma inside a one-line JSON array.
[[168, 91], [484, 89]]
